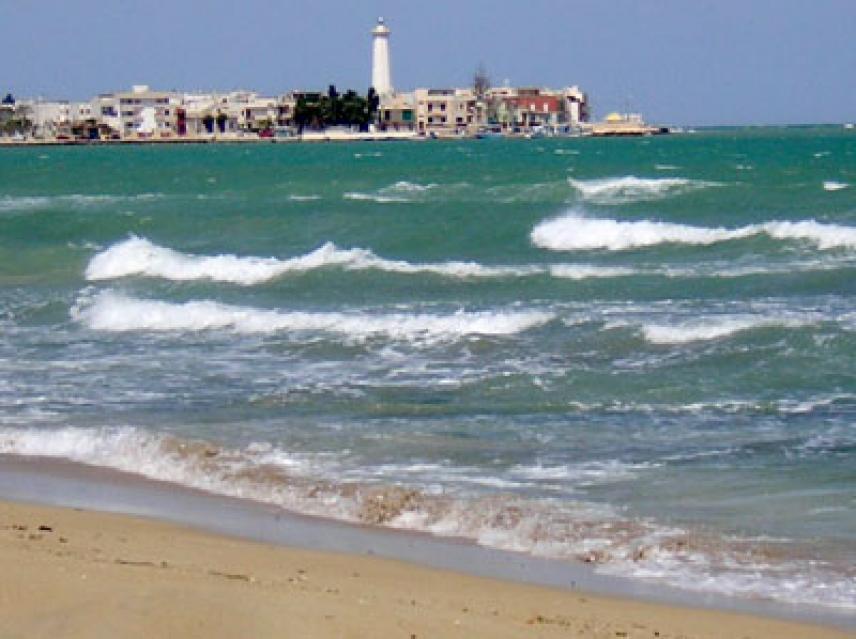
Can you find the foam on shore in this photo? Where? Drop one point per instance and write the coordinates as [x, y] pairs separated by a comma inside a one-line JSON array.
[[561, 529]]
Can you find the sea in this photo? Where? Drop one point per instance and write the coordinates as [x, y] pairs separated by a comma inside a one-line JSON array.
[[638, 354]]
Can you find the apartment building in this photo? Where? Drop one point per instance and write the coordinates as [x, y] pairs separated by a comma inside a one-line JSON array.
[[447, 112], [397, 112], [140, 112]]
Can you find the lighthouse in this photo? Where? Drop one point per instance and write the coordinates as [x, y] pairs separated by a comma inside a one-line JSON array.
[[381, 79]]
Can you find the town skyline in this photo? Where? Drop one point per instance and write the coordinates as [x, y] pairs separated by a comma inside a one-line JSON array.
[[700, 63]]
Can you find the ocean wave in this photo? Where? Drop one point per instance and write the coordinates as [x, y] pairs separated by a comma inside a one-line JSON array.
[[558, 528], [138, 256], [576, 232], [833, 185], [112, 311], [629, 188]]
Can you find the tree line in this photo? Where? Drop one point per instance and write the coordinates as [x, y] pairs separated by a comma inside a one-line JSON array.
[[319, 111]]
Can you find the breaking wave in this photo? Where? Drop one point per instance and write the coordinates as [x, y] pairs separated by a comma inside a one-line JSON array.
[[832, 185], [139, 257], [629, 188], [112, 311], [566, 529], [575, 232]]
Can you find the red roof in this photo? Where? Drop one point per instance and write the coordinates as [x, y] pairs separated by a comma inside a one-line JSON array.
[[537, 103]]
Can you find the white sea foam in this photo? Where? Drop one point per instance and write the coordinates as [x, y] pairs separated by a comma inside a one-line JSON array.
[[398, 193], [586, 271], [139, 257], [403, 186], [379, 198], [715, 328], [304, 198], [833, 185], [825, 236], [576, 232], [112, 311], [629, 188]]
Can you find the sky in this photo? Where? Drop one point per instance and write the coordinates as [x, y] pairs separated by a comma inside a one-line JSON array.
[[678, 62]]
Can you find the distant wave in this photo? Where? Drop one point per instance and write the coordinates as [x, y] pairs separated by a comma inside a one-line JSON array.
[[629, 188], [575, 232], [832, 185], [113, 311], [399, 192], [11, 203]]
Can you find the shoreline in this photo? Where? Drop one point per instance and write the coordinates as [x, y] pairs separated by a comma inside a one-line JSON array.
[[61, 484]]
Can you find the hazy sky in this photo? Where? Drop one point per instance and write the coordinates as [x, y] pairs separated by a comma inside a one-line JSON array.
[[676, 61]]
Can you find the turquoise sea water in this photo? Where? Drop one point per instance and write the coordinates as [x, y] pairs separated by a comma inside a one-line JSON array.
[[636, 353]]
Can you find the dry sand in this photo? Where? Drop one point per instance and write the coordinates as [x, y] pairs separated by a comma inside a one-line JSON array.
[[74, 573]]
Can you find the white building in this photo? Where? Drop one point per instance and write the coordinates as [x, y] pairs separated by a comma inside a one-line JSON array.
[[141, 112]]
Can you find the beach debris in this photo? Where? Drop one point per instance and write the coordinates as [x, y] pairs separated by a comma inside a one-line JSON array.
[[231, 575], [45, 528], [131, 562]]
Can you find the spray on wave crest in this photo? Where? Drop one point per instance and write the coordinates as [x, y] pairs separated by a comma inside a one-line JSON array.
[[576, 232]]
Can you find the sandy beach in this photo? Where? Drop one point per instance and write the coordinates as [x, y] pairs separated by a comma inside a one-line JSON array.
[[79, 573]]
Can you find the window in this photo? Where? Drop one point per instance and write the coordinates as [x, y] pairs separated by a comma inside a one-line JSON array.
[[430, 107], [442, 106]]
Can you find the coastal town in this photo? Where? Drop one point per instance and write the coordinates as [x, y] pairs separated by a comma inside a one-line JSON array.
[[146, 114]]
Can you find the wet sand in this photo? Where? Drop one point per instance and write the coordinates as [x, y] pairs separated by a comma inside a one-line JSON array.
[[78, 573]]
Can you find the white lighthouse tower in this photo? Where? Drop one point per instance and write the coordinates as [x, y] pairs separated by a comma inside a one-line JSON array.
[[381, 79]]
